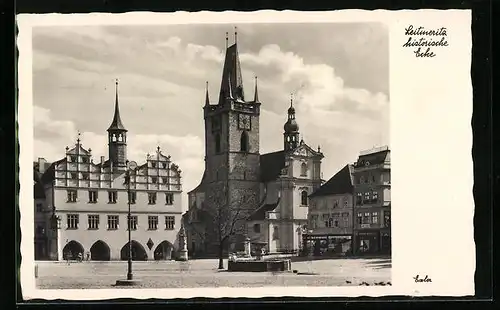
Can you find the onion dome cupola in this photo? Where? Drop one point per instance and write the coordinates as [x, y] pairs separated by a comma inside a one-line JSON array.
[[291, 134]]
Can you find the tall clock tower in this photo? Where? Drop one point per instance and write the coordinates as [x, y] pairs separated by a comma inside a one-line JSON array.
[[232, 158]]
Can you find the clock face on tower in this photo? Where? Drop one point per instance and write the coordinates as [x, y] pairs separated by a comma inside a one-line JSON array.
[[245, 122]]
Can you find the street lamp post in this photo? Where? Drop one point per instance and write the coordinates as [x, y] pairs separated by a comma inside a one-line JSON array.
[[131, 166], [129, 218]]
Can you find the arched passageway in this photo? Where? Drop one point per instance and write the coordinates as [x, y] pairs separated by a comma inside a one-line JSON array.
[[138, 251], [100, 251], [72, 249], [164, 251]]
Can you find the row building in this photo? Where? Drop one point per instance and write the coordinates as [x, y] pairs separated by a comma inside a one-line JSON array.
[[244, 194], [350, 214], [81, 206]]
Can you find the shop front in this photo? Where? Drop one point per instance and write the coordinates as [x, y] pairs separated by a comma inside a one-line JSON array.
[[385, 241], [367, 242], [326, 245]]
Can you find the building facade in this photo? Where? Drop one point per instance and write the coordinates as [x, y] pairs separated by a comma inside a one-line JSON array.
[[330, 225], [372, 192], [241, 188], [82, 206]]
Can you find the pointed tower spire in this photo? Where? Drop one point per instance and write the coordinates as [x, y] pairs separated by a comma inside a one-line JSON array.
[[231, 68], [235, 35], [116, 124], [207, 98], [227, 40], [256, 95]]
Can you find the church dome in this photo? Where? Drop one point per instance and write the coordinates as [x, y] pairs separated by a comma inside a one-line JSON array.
[[291, 110], [291, 125]]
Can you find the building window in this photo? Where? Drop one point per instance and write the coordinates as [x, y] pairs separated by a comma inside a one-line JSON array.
[[153, 164], [276, 233], [314, 221], [336, 223], [132, 196], [367, 196], [39, 207], [373, 178], [217, 143], [359, 199], [132, 222], [303, 170], [73, 159], [366, 218], [169, 222], [336, 204], [374, 196], [73, 175], [92, 196], [360, 218], [169, 198], [93, 221], [329, 223], [153, 180], [256, 228], [244, 142], [325, 217], [374, 217], [346, 221], [112, 196], [85, 175], [361, 180], [346, 202], [387, 219], [152, 198], [73, 220], [303, 198], [152, 222], [113, 222], [72, 195], [164, 165], [85, 160]]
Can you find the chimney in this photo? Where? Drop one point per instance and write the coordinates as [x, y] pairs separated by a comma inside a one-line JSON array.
[[102, 160], [41, 164]]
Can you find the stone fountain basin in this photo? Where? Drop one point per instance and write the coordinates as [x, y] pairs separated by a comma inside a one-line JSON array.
[[275, 265]]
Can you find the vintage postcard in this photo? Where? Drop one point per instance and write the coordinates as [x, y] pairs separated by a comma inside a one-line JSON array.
[[180, 155]]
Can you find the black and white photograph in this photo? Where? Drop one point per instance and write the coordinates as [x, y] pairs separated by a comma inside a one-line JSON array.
[[212, 155]]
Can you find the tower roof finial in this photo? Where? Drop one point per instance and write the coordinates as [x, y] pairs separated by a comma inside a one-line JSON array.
[[235, 35], [207, 98], [291, 100], [117, 124], [256, 95], [227, 40], [78, 137]]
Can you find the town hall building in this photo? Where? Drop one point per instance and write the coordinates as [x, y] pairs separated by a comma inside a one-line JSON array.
[[243, 193], [81, 206]]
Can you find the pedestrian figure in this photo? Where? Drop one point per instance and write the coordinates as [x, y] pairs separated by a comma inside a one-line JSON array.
[[88, 256], [80, 257]]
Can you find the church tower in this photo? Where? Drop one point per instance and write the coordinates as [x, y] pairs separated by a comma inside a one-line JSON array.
[[232, 159], [117, 138], [291, 134]]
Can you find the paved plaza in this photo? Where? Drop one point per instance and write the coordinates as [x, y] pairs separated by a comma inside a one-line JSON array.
[[204, 273]]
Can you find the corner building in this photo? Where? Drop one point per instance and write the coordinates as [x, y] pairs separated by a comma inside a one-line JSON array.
[[268, 191], [82, 206], [372, 209]]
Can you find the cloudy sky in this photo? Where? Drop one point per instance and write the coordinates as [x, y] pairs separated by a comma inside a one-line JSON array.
[[338, 73]]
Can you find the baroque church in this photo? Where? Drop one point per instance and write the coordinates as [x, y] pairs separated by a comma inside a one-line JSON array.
[[244, 194]]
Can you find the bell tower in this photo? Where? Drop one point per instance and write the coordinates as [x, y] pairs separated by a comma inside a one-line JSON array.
[[117, 138], [291, 134]]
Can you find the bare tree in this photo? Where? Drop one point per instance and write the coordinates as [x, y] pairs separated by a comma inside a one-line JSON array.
[[228, 214]]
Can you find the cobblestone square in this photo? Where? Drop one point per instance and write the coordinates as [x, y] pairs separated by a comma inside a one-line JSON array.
[[204, 273]]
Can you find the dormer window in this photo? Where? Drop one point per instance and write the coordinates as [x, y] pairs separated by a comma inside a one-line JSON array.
[[73, 159]]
